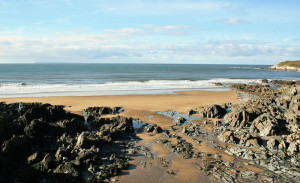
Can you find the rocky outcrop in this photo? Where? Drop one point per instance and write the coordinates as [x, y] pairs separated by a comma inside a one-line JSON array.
[[52, 145], [212, 111], [98, 111], [287, 66], [227, 137], [179, 121], [266, 125]]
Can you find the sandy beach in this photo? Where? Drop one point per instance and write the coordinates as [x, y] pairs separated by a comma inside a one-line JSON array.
[[141, 106], [202, 149]]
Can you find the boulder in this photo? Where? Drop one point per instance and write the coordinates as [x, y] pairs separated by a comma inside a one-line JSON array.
[[98, 111], [179, 121], [227, 137], [212, 111], [117, 127], [242, 116], [266, 125], [250, 141]]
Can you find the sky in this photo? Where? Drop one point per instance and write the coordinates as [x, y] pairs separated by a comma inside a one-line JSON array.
[[149, 31]]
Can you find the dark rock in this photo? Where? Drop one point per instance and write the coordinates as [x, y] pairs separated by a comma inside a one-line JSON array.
[[98, 111], [72, 126], [39, 129], [15, 145], [212, 111], [117, 127], [191, 112], [218, 84], [67, 168]]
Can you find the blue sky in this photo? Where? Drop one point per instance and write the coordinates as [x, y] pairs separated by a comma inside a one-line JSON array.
[[149, 31]]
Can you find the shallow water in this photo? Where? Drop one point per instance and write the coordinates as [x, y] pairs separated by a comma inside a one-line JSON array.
[[20, 80]]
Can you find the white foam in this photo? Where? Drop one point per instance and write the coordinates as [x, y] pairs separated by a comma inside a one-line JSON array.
[[115, 88]]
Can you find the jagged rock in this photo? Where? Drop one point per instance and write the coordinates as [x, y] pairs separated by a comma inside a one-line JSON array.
[[98, 111], [248, 175], [179, 121], [250, 141], [253, 89], [183, 148], [60, 153], [254, 142], [152, 128], [292, 149], [67, 168], [47, 162], [244, 153], [282, 145], [116, 127], [72, 126], [227, 137], [240, 117], [212, 111], [40, 142], [266, 125], [292, 137], [272, 143], [32, 158]]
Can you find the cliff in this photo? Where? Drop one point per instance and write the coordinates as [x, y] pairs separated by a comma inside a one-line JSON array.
[[287, 66]]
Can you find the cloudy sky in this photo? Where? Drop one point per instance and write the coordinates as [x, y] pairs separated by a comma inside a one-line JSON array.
[[149, 31]]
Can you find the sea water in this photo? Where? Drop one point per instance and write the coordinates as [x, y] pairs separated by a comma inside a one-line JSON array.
[[37, 80]]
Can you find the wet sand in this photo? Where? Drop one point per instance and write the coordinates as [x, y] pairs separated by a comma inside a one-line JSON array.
[[140, 106]]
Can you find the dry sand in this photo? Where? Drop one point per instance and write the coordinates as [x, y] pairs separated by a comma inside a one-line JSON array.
[[139, 106]]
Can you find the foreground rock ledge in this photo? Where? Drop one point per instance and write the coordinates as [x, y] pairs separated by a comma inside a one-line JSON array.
[[41, 142]]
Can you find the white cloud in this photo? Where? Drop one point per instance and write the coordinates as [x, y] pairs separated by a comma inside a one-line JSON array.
[[232, 21], [131, 45]]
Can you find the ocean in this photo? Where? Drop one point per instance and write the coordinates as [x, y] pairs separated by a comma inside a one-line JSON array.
[[40, 80]]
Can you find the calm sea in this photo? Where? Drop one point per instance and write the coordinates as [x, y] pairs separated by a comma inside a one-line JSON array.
[[17, 80]]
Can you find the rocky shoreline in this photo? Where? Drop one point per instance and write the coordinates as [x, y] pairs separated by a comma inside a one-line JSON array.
[[256, 140], [41, 142]]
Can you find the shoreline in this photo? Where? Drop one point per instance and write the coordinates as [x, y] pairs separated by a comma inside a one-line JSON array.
[[181, 101], [141, 107], [190, 136]]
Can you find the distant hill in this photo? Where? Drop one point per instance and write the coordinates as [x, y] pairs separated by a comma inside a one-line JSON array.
[[287, 66]]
